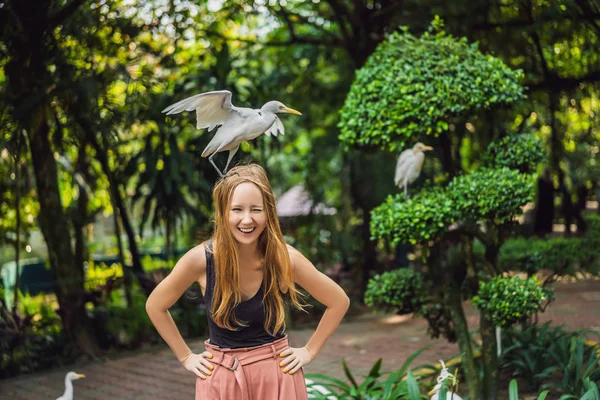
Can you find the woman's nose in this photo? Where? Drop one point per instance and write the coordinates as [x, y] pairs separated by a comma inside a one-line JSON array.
[[247, 218]]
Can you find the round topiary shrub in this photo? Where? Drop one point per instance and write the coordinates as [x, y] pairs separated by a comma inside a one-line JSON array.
[[412, 86], [509, 300], [520, 152], [400, 289]]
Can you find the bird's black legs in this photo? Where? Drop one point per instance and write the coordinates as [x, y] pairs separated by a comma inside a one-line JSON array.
[[215, 165]]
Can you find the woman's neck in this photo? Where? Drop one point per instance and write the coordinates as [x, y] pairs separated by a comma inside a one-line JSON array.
[[248, 251]]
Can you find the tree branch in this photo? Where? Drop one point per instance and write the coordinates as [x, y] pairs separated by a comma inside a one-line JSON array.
[[65, 13], [338, 13], [587, 11], [303, 19], [556, 82], [282, 11], [519, 23], [537, 42], [276, 43]]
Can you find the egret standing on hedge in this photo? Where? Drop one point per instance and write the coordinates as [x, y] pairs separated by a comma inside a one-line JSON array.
[[408, 167], [236, 124]]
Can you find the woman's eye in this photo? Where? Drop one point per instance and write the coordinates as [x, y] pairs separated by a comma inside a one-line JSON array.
[[236, 209], [257, 210]]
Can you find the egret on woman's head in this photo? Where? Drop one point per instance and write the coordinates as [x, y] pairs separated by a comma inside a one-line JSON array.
[[408, 167], [69, 378], [237, 124]]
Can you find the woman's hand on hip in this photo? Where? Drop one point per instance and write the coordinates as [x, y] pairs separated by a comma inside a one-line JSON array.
[[294, 359], [199, 364]]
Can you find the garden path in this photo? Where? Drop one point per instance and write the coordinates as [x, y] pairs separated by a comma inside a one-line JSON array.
[[154, 373]]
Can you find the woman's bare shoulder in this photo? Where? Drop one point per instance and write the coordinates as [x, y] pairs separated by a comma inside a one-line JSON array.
[[295, 255], [195, 258]]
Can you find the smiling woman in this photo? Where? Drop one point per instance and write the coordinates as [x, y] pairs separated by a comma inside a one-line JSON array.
[[247, 219], [247, 272]]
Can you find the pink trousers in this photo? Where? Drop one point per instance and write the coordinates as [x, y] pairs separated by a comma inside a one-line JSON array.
[[251, 373]]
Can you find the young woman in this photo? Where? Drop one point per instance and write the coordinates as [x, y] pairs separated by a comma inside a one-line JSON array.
[[245, 271]]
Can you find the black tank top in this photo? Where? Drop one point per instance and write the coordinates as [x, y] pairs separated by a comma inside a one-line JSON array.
[[251, 312]]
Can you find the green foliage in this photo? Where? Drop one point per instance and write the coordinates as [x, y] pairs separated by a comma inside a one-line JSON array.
[[562, 256], [400, 289], [577, 364], [491, 194], [552, 358], [412, 86], [128, 325], [32, 338], [419, 219], [521, 152], [525, 352], [509, 300], [97, 274], [513, 391], [376, 385]]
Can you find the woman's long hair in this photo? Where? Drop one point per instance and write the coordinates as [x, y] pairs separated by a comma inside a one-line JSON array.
[[277, 274]]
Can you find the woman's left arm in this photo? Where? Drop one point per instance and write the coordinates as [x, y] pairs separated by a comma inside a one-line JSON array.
[[328, 293]]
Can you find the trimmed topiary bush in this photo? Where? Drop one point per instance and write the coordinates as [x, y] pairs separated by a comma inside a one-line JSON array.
[[509, 300], [520, 152], [418, 219], [412, 86], [400, 289]]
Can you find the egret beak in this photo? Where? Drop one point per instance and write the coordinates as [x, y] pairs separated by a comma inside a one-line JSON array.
[[80, 376], [291, 110], [427, 148]]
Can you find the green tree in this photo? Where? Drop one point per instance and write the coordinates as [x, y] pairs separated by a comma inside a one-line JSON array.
[[414, 87]]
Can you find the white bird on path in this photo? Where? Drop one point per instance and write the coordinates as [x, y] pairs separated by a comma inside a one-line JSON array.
[[69, 378], [237, 124], [408, 167]]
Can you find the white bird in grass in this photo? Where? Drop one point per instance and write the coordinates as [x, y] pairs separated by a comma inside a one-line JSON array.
[[237, 124], [408, 167], [444, 374], [69, 378]]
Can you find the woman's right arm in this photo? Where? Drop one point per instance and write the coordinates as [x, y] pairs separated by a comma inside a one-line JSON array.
[[189, 269]]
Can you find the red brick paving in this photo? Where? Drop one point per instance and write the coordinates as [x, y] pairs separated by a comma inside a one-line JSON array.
[[156, 374]]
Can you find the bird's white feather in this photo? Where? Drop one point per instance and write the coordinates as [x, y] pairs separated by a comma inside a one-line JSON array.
[[405, 159], [229, 135], [212, 108], [276, 128]]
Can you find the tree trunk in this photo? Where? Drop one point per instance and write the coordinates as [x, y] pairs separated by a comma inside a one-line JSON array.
[[53, 223], [18, 227], [28, 42], [358, 191], [168, 239], [489, 348], [126, 271], [464, 341], [447, 160], [80, 216], [146, 284]]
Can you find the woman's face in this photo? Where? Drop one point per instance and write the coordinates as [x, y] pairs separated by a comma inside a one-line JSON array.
[[247, 218]]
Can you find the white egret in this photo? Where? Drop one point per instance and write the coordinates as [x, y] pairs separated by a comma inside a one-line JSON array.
[[408, 167], [444, 374], [69, 378], [237, 124]]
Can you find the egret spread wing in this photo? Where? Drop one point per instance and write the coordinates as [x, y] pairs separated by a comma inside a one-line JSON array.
[[212, 108], [402, 166], [233, 128], [276, 128]]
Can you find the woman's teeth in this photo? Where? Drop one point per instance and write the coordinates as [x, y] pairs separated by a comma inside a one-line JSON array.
[[249, 230]]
